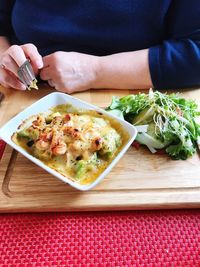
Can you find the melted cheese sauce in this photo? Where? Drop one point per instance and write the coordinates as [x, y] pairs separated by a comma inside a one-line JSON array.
[[82, 132]]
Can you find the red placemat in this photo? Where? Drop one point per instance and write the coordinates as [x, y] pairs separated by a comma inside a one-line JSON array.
[[139, 238], [2, 148]]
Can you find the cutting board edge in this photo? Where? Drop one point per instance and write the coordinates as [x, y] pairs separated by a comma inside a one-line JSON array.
[[190, 199]]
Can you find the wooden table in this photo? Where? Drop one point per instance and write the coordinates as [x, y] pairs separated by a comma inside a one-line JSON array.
[[139, 181]]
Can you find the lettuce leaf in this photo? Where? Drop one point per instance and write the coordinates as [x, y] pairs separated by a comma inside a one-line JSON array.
[[172, 121]]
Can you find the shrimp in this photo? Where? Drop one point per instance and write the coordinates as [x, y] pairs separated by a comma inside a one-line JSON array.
[[42, 145], [72, 132], [59, 149], [38, 122], [96, 144]]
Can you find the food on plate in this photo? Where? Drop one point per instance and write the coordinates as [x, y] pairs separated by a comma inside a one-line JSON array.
[[163, 121], [79, 144]]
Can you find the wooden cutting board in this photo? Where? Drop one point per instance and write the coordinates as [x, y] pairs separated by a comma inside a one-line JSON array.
[[139, 181]]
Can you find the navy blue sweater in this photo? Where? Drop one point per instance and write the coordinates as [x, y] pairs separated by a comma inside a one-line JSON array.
[[169, 28]]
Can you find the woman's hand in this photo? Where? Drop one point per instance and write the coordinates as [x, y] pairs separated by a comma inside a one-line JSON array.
[[12, 59], [70, 71]]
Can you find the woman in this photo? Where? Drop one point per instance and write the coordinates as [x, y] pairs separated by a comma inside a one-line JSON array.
[[81, 44]]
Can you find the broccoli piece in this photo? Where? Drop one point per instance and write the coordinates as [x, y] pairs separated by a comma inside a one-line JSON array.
[[23, 134]]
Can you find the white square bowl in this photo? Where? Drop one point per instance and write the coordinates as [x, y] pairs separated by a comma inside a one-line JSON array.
[[43, 105]]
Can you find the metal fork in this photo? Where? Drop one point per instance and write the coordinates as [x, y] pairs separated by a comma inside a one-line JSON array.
[[27, 76]]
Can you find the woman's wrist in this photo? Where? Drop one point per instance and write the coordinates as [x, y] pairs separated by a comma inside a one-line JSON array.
[[101, 72], [127, 70]]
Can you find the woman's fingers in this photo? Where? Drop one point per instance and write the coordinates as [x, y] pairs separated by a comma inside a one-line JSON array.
[[50, 59], [9, 64], [8, 79], [13, 58], [32, 53], [14, 83], [51, 83], [17, 54], [45, 74]]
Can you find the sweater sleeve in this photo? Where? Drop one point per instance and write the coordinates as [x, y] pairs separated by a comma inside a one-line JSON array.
[[176, 62], [5, 17]]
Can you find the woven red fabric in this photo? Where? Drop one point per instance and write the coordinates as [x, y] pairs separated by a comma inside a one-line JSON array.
[[139, 238]]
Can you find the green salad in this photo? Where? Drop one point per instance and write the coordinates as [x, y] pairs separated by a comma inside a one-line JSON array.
[[163, 121]]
